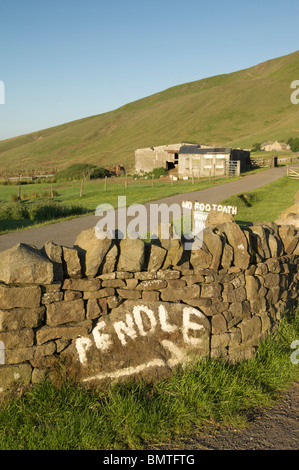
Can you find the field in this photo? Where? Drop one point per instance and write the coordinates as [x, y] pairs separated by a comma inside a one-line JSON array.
[[237, 109], [80, 198], [47, 202]]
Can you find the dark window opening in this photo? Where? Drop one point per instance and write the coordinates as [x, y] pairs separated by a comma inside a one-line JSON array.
[[170, 165]]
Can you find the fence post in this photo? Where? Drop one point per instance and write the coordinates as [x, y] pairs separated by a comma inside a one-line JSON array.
[[152, 180], [19, 194], [105, 183], [81, 190], [287, 170], [126, 182], [192, 177]]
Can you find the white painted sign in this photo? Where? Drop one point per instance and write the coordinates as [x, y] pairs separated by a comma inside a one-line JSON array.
[[200, 212], [143, 335]]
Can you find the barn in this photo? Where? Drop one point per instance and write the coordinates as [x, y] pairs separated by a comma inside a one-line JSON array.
[[190, 159], [217, 161], [163, 156]]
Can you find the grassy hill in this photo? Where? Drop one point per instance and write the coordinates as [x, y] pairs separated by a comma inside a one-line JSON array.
[[236, 109]]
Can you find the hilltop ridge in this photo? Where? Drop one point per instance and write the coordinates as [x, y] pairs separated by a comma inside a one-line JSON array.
[[236, 109]]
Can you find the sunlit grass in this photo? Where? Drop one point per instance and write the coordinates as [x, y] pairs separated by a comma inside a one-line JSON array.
[[135, 415]]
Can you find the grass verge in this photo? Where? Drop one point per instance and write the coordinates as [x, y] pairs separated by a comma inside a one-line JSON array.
[[135, 415], [266, 203]]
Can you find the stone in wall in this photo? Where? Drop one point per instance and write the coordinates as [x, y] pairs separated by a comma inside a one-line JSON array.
[[155, 257], [214, 244], [53, 252], [24, 264], [200, 257], [132, 255], [166, 237], [71, 263], [238, 241], [216, 218], [92, 250], [12, 374], [19, 297], [290, 238]]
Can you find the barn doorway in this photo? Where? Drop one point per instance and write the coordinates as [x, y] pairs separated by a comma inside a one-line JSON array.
[[170, 166]]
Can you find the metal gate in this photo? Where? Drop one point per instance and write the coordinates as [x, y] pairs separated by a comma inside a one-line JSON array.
[[231, 168]]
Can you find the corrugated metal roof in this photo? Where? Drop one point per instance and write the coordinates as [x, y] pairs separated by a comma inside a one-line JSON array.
[[202, 151]]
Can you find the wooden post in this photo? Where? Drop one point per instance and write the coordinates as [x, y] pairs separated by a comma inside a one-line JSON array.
[[126, 182], [81, 190], [287, 170], [19, 195], [52, 194], [105, 183], [152, 180], [209, 176], [192, 177]]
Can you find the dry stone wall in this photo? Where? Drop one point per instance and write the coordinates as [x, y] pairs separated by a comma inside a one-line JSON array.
[[107, 310]]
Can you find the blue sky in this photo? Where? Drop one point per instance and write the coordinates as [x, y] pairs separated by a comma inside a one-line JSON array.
[[68, 59]]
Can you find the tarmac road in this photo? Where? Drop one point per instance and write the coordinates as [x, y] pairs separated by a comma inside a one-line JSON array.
[[66, 232]]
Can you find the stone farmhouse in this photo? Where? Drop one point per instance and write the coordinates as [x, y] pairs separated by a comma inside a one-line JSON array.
[[275, 146], [190, 159]]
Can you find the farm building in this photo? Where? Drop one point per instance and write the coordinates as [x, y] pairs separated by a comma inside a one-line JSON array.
[[189, 159], [198, 161], [164, 156], [274, 146]]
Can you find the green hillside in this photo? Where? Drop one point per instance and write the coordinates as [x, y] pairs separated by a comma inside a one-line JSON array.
[[236, 109]]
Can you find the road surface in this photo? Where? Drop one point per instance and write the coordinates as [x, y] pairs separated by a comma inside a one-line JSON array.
[[66, 232]]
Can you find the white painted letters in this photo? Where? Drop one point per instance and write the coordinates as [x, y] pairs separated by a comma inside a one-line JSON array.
[[102, 340], [189, 325], [163, 317], [146, 320], [122, 328], [82, 345], [138, 319]]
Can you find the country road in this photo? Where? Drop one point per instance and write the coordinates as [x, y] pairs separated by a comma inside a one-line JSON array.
[[66, 232]]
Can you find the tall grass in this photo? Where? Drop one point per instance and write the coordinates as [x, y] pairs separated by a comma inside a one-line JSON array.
[[137, 415], [38, 211]]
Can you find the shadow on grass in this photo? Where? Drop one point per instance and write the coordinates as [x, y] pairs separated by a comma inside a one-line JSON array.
[[9, 225]]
